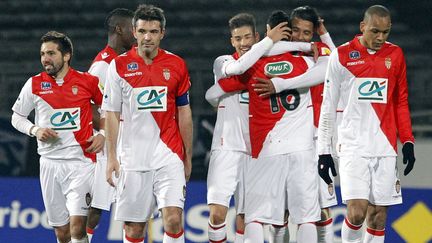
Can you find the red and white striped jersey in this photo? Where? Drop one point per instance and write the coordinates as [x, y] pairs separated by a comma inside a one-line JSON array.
[[146, 96], [101, 63], [282, 123], [65, 108], [371, 88], [232, 123]]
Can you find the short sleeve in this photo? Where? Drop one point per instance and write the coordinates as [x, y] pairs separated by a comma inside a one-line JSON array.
[[112, 98]]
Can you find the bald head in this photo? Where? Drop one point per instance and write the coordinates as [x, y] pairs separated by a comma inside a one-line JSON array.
[[376, 10]]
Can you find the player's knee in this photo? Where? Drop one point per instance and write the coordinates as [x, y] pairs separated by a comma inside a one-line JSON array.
[[134, 230], [377, 220], [62, 234], [173, 223], [217, 218], [356, 217]]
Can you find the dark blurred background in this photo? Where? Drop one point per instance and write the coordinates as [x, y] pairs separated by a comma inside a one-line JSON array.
[[197, 30]]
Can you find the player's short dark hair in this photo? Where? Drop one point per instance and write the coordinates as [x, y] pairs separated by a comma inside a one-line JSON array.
[[115, 16], [63, 42], [242, 19], [149, 12], [377, 10], [277, 17], [306, 13]]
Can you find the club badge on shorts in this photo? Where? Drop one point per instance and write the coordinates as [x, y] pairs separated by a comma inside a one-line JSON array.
[[88, 199], [398, 186], [330, 189], [388, 62], [166, 74], [74, 89]]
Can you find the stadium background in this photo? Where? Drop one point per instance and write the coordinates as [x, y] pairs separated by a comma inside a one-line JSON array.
[[197, 31]]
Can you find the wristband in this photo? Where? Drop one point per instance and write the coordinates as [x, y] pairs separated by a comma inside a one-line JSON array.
[[33, 131], [101, 132]]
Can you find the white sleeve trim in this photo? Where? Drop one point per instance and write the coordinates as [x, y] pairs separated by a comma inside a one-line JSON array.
[[326, 39], [213, 94], [21, 123], [314, 76], [288, 46]]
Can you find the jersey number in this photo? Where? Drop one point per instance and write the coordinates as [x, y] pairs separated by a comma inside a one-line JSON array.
[[290, 100]]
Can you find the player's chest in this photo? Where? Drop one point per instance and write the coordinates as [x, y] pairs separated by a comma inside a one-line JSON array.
[[139, 75], [69, 94]]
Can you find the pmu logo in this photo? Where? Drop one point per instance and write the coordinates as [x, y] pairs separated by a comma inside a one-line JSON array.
[[153, 98], [66, 119], [278, 68], [372, 90]]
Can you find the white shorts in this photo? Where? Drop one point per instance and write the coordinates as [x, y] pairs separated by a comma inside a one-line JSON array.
[[140, 193], [103, 193], [226, 178], [66, 188], [370, 178], [276, 183]]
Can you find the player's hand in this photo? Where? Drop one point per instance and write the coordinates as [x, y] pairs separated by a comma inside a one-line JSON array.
[[46, 135], [97, 143], [279, 32], [314, 52], [408, 157], [264, 87], [112, 166], [321, 30], [325, 162]]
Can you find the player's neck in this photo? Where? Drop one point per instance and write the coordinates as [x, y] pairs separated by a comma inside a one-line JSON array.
[[116, 45], [148, 57], [62, 73]]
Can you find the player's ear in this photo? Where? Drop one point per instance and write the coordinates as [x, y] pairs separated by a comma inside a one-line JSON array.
[[162, 33], [362, 26], [66, 57], [257, 36]]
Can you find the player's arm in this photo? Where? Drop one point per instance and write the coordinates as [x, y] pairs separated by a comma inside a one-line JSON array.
[[325, 35], [403, 118], [239, 66], [328, 117], [112, 105], [186, 131], [313, 76], [97, 141], [22, 108]]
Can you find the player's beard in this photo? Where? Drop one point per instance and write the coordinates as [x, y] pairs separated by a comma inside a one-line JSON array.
[[56, 68]]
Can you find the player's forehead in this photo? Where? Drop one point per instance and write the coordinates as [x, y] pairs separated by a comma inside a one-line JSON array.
[[147, 25], [49, 47], [302, 24], [378, 22], [242, 31]]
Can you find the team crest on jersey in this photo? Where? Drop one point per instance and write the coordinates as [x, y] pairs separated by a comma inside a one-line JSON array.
[[67, 119], [152, 98], [372, 90], [74, 89], [166, 74], [45, 85], [354, 54], [278, 68], [244, 97], [133, 66], [388, 62]]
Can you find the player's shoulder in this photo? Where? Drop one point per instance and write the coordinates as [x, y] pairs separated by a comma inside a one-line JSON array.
[[83, 75], [171, 57], [393, 48]]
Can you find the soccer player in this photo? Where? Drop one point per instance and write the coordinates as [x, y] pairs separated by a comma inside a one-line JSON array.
[[120, 39], [149, 86], [281, 128], [368, 77], [231, 144], [61, 98]]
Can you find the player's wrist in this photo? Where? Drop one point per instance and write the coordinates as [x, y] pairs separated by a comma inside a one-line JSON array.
[[101, 132], [33, 131]]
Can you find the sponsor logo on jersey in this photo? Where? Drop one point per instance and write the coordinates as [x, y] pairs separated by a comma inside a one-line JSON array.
[[278, 68], [45, 85], [133, 66], [244, 97], [371, 90], [359, 62], [166, 74], [152, 98], [67, 119], [325, 51], [74, 89], [388, 62], [354, 54]]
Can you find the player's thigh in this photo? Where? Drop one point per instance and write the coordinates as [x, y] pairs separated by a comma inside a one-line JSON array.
[[239, 194], [386, 187], [78, 187], [265, 187], [302, 187], [170, 185], [102, 192], [355, 177], [53, 197], [135, 198], [224, 176]]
